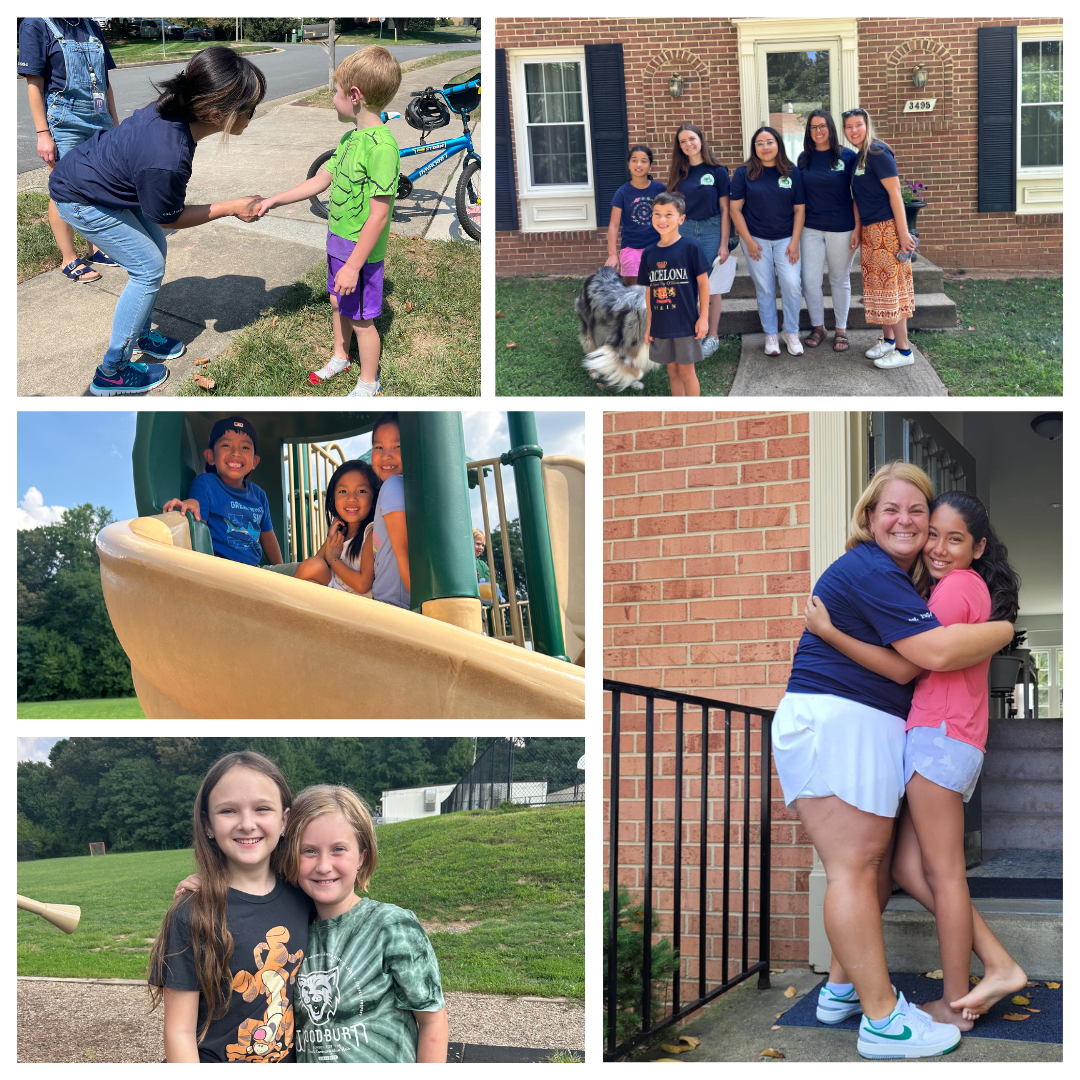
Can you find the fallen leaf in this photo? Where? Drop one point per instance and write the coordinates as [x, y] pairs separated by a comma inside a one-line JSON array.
[[408, 306], [679, 1048], [692, 1041], [1015, 1016], [1054, 986], [1033, 1010], [971, 327], [656, 1060], [1019, 999], [975, 980], [511, 344], [201, 361], [790, 992], [205, 381], [778, 1015], [534, 318], [500, 314], [1030, 983], [775, 1027], [771, 1053], [273, 322], [937, 973]]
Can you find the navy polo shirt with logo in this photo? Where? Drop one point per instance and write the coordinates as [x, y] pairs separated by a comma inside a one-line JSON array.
[[703, 188], [670, 275], [870, 194], [770, 201], [828, 189]]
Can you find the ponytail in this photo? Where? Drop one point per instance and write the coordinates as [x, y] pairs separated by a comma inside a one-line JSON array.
[[215, 79]]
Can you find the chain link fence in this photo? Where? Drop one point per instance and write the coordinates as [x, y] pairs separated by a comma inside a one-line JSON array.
[[532, 772]]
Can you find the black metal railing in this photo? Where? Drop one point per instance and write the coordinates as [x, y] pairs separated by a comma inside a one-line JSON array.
[[708, 707]]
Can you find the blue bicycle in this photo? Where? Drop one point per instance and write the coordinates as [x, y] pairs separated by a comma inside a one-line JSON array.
[[429, 110]]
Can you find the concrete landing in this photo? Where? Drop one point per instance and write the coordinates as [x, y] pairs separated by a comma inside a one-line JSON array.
[[821, 372]]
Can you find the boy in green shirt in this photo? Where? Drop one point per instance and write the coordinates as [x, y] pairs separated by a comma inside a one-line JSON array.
[[364, 175]]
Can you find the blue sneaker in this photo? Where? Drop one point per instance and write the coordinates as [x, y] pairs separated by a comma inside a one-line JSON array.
[[836, 1008], [159, 346], [130, 379], [909, 1033]]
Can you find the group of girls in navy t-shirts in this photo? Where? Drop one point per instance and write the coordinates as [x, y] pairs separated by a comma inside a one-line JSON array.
[[792, 220]]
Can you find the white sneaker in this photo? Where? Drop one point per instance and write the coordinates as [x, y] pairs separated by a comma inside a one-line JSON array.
[[772, 345], [882, 348], [364, 389], [335, 367], [895, 359], [709, 346], [836, 1008], [794, 345], [910, 1033]]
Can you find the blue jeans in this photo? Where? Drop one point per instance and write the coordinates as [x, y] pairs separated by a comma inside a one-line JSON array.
[[706, 232], [138, 245], [815, 247], [71, 124], [764, 273]]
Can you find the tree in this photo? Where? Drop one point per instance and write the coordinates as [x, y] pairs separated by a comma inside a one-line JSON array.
[[517, 557]]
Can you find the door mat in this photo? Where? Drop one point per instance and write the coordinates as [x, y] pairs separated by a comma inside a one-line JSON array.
[[1003, 888], [1044, 1026]]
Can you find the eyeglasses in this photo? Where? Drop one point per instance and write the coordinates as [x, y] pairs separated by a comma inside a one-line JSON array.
[[853, 112], [819, 127]]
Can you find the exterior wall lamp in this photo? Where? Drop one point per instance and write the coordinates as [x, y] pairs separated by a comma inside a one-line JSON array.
[[675, 86], [918, 77]]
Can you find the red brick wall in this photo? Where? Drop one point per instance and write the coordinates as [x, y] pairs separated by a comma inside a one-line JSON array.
[[938, 150], [706, 567]]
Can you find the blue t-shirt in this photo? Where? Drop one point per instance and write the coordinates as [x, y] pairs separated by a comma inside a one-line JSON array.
[[236, 517], [770, 201], [867, 188], [40, 53], [703, 188], [828, 190], [388, 586], [144, 164], [636, 206], [870, 598], [670, 274]]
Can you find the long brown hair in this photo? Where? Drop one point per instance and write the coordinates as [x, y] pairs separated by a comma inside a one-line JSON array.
[[211, 942], [753, 164], [680, 163]]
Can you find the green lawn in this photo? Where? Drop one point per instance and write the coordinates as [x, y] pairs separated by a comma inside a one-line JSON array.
[[122, 708], [140, 50], [520, 878], [35, 246], [1010, 343], [537, 315], [324, 97], [370, 36]]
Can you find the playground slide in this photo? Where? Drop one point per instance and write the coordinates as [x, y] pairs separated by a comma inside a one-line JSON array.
[[208, 638], [564, 494]]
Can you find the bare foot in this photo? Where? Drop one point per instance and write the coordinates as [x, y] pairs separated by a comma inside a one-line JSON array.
[[941, 1012], [994, 986]]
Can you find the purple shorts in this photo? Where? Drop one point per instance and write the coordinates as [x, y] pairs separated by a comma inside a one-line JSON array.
[[365, 301]]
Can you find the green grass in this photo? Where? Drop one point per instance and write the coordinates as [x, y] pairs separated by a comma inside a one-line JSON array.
[[324, 98], [430, 330], [444, 34], [1010, 342], [538, 316], [138, 51], [122, 708], [36, 250], [519, 877]]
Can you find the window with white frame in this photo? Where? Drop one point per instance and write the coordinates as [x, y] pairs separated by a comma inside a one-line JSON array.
[[1050, 666], [1042, 91], [555, 122]]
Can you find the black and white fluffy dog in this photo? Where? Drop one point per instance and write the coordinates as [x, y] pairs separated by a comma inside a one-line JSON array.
[[613, 330]]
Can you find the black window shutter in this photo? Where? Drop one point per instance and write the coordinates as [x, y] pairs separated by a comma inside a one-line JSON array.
[[607, 119], [997, 119], [506, 214]]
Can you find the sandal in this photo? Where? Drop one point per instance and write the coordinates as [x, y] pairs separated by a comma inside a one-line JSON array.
[[840, 341], [77, 270], [817, 336]]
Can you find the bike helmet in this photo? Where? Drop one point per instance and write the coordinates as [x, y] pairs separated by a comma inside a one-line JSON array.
[[427, 113]]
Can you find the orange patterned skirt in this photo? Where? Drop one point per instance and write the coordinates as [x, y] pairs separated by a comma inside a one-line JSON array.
[[888, 292]]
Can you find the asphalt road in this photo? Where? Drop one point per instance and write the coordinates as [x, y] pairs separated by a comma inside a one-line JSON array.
[[295, 69]]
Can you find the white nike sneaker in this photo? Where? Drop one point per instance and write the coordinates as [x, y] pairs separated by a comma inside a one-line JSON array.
[[910, 1033], [836, 1008]]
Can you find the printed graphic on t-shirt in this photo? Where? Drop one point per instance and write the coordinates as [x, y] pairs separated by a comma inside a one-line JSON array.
[[241, 532], [663, 283], [320, 994], [707, 180], [641, 211]]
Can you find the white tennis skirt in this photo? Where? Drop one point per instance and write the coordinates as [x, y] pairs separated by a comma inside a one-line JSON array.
[[827, 745]]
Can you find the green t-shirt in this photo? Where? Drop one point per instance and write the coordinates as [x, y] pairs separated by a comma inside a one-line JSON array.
[[364, 164], [364, 974]]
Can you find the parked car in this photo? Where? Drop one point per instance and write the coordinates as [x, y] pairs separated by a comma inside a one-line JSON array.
[[151, 28], [198, 33]]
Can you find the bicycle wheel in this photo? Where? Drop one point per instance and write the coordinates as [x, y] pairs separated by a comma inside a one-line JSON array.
[[318, 204], [468, 199]]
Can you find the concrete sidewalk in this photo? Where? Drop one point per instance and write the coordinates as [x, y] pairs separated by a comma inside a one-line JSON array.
[[220, 276]]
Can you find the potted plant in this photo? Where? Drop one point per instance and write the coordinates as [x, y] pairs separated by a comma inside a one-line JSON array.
[[912, 192], [1005, 665]]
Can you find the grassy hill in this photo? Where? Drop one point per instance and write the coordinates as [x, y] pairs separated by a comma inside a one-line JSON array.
[[502, 895]]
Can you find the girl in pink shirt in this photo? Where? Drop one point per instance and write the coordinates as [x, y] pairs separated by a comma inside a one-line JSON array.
[[946, 738]]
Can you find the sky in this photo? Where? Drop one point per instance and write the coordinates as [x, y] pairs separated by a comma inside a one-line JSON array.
[[35, 749], [69, 458]]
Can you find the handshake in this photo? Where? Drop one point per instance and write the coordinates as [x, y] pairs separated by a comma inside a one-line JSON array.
[[250, 207]]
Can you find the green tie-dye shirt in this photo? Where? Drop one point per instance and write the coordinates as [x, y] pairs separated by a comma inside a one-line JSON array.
[[364, 164], [364, 974]]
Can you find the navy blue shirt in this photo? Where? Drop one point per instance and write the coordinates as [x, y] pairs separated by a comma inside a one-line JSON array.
[[144, 164], [636, 206], [870, 194], [870, 598], [670, 274], [235, 516], [40, 54], [703, 188], [828, 190], [770, 203]]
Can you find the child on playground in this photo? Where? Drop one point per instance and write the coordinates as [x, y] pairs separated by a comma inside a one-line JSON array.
[[235, 510], [364, 175], [676, 276], [632, 208], [390, 540], [226, 960], [346, 560], [943, 755]]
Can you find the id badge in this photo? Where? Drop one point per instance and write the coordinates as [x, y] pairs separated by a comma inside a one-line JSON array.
[[99, 102]]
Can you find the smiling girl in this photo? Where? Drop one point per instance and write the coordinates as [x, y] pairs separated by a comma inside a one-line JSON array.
[[632, 208], [390, 540]]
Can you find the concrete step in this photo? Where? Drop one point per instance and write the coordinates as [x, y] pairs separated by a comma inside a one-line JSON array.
[[1018, 764], [1028, 734], [1031, 930], [933, 311], [1022, 797], [1001, 829]]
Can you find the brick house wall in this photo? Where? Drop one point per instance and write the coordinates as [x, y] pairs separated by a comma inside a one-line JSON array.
[[706, 569], [939, 149]]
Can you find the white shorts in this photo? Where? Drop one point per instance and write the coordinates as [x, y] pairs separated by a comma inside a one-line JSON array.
[[943, 760], [827, 745]]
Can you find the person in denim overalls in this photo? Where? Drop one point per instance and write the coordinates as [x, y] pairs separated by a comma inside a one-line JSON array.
[[66, 115]]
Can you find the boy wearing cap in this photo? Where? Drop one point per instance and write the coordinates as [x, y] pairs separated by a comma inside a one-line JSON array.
[[235, 510]]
